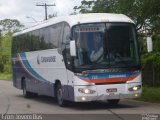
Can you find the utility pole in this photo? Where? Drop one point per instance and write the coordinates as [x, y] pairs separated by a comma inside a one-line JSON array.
[[45, 6]]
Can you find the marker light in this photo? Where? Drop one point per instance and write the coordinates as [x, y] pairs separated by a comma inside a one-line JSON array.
[[86, 91], [89, 29], [135, 88]]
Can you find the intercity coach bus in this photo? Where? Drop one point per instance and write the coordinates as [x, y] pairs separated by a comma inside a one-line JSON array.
[[79, 58]]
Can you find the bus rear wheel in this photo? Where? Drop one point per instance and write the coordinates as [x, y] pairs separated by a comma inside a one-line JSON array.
[[113, 101], [60, 93]]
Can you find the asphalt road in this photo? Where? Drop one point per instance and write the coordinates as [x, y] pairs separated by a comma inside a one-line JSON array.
[[12, 102]]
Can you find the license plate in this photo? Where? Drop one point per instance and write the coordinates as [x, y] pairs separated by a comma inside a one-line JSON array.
[[111, 90]]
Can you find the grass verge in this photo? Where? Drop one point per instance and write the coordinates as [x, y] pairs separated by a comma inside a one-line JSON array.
[[150, 94], [5, 76]]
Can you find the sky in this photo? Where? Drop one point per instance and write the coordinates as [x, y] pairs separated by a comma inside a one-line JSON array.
[[20, 9]]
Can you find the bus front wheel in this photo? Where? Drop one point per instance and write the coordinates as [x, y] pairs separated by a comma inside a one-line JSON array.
[[60, 94]]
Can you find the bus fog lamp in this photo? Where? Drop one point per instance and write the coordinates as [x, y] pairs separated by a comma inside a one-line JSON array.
[[83, 98], [136, 95]]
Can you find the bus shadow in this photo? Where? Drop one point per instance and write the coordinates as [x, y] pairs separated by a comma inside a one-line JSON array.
[[41, 99], [84, 105], [99, 105]]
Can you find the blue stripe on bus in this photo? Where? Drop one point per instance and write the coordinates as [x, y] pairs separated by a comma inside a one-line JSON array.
[[29, 68], [110, 75]]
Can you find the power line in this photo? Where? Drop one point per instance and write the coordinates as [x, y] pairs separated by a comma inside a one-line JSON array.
[[45, 6]]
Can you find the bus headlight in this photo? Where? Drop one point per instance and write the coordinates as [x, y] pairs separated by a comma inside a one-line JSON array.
[[135, 88], [86, 91]]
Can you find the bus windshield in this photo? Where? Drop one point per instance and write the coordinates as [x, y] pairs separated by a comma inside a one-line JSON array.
[[104, 45]]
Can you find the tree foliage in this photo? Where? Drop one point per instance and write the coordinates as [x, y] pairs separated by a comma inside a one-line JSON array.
[[10, 25], [6, 53], [52, 15], [86, 6]]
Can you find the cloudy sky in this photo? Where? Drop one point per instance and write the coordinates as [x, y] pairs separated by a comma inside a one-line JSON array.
[[20, 9]]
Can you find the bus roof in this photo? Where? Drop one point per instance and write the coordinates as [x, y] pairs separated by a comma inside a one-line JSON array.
[[80, 19]]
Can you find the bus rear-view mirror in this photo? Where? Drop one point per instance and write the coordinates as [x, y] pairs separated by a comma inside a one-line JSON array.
[[149, 44], [72, 48]]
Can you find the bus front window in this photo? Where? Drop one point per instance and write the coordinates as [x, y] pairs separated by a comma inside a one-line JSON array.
[[104, 45]]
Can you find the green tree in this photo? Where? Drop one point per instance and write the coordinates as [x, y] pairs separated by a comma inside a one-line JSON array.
[[52, 15], [6, 53], [85, 7], [9, 26]]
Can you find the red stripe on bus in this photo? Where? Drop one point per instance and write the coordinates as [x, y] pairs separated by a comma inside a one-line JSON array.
[[110, 80], [24, 68]]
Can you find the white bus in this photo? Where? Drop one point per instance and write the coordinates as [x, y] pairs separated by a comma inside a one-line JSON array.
[[79, 58]]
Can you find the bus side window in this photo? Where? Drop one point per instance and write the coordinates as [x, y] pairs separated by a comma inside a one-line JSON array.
[[66, 33], [60, 27]]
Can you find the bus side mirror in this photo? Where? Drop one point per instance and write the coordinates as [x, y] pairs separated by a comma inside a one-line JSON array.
[[149, 44], [73, 48], [68, 38]]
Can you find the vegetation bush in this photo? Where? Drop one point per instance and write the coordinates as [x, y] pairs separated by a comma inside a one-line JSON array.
[[151, 65]]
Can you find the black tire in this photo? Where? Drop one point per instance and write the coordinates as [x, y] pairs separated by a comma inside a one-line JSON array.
[[113, 101], [59, 95], [26, 94]]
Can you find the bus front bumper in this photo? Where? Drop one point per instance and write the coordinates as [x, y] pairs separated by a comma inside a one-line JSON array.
[[120, 91], [106, 97]]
